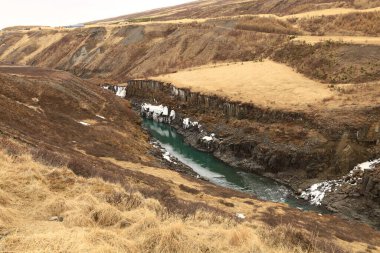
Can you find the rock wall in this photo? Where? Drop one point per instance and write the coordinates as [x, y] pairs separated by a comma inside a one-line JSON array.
[[155, 89], [370, 186], [144, 88]]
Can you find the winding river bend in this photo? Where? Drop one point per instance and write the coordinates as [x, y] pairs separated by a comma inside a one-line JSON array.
[[217, 172]]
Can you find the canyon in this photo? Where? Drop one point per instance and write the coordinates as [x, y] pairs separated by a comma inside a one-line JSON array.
[[286, 93], [324, 151]]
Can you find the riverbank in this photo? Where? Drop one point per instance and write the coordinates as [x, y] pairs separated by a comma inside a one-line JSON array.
[[209, 168]]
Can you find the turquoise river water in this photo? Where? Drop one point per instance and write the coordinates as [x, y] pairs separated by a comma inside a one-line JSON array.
[[218, 172]]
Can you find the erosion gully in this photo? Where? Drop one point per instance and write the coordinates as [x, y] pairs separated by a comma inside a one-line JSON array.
[[220, 173]]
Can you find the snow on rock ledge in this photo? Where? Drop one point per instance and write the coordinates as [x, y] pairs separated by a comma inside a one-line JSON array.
[[209, 138], [121, 92], [187, 123], [317, 192], [158, 113], [167, 157]]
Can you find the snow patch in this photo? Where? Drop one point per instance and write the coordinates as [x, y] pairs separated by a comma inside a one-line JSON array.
[[121, 92], [165, 111], [172, 114], [156, 109], [317, 192], [101, 117], [84, 123], [167, 157], [34, 108], [240, 216], [158, 113], [209, 138], [366, 166], [187, 123]]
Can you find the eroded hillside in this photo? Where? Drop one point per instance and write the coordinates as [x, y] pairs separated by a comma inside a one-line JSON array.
[[125, 49], [221, 8]]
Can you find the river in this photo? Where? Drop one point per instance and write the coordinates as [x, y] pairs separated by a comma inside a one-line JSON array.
[[218, 172]]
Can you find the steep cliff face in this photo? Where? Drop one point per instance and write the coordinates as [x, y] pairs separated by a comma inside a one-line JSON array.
[[370, 186]]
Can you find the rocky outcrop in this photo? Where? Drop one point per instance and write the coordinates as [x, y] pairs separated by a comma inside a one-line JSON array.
[[358, 196], [370, 185]]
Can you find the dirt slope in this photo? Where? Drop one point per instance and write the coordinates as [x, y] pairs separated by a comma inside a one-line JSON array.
[[63, 105]]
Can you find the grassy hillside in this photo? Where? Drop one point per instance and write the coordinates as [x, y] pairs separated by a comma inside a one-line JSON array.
[[79, 174], [358, 24], [332, 62], [63, 212], [120, 53], [57, 109], [221, 8], [267, 84]]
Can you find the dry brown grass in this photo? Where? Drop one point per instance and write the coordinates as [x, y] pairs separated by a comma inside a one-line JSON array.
[[330, 12], [332, 62], [104, 217], [232, 8], [267, 25], [126, 51], [358, 24], [361, 40], [266, 84], [111, 52]]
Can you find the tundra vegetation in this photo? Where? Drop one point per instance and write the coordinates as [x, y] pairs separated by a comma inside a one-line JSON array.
[[79, 174]]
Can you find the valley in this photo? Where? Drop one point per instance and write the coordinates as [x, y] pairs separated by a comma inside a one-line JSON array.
[[255, 122]]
